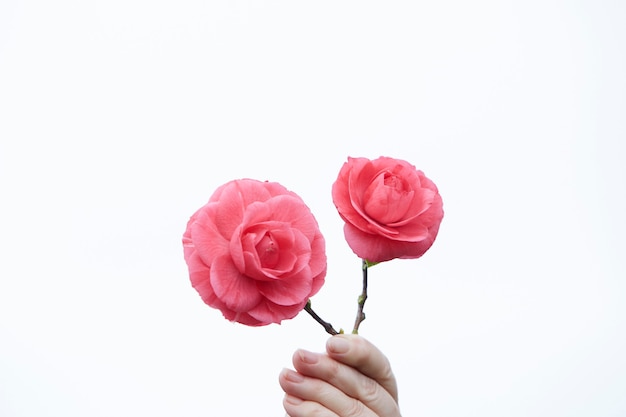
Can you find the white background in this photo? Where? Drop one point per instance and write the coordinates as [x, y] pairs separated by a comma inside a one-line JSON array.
[[118, 119]]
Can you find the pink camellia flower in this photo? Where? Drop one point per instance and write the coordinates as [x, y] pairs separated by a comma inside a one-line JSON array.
[[391, 210], [255, 252]]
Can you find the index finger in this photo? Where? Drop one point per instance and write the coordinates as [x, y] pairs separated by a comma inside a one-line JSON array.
[[359, 353]]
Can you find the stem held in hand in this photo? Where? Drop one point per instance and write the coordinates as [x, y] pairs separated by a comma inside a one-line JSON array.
[[327, 326], [360, 315]]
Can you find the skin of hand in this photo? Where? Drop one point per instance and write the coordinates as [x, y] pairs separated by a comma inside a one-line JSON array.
[[352, 379]]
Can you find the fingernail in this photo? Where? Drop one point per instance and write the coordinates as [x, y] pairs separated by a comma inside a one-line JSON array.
[[337, 345], [308, 357], [292, 376], [293, 400]]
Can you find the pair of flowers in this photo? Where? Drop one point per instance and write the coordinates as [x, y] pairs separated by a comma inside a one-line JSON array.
[[256, 253]]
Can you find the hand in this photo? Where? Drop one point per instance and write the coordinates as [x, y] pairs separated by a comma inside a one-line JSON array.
[[354, 379]]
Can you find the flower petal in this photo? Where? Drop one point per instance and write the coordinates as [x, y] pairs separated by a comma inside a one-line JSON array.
[[288, 291], [206, 238], [267, 312], [292, 210], [235, 290], [318, 260], [376, 248], [200, 277]]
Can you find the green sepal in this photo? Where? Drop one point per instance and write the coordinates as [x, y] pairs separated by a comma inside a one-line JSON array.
[[367, 264]]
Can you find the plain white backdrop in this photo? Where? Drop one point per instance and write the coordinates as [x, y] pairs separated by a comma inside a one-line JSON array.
[[118, 119]]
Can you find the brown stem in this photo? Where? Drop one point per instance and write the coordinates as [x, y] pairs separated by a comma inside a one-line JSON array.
[[360, 315], [327, 326]]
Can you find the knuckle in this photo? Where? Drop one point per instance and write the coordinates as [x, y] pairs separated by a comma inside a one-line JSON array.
[[387, 374], [332, 372], [317, 412], [370, 391], [355, 409]]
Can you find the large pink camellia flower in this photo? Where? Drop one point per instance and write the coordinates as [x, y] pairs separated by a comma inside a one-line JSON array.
[[255, 252], [391, 210]]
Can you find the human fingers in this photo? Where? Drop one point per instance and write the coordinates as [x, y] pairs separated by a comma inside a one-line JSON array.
[[348, 380], [308, 397], [359, 353], [296, 407]]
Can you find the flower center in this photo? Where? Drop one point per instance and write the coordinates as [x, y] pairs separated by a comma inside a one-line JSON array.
[[388, 198], [267, 249], [392, 181]]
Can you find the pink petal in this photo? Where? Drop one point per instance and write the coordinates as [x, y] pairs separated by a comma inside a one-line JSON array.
[[245, 318], [292, 253], [387, 203], [255, 213], [292, 210], [235, 290], [295, 251], [344, 195], [288, 290], [420, 203], [268, 312], [317, 282], [412, 232], [376, 248], [236, 249], [253, 190], [358, 182], [206, 238], [228, 211], [284, 255], [318, 260], [269, 250], [200, 277]]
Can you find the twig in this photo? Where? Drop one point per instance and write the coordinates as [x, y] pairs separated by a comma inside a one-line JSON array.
[[360, 315], [327, 326]]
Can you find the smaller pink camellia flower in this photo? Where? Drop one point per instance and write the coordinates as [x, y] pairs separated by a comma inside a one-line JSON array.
[[255, 252], [391, 210]]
